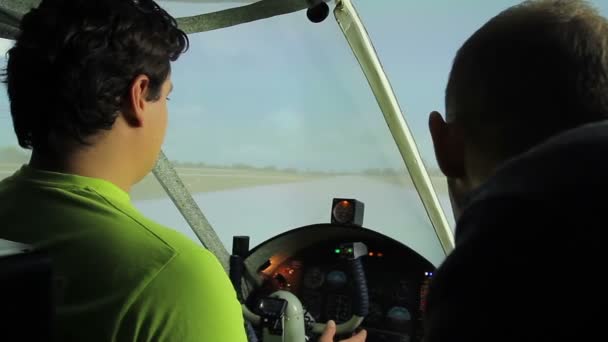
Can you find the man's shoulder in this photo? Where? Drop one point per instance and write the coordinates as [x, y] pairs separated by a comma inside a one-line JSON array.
[[105, 248], [194, 282], [171, 238], [82, 222]]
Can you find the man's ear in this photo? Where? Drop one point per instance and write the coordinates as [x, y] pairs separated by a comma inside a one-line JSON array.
[[136, 103], [449, 146]]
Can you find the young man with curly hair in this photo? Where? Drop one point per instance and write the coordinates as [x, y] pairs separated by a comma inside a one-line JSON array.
[[88, 83]]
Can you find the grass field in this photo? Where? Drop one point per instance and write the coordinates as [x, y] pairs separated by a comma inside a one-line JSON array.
[[208, 180], [200, 180]]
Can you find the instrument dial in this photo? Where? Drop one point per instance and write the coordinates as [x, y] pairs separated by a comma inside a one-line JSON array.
[[314, 278]]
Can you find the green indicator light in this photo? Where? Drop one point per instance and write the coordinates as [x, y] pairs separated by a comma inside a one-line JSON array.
[[350, 250], [337, 251]]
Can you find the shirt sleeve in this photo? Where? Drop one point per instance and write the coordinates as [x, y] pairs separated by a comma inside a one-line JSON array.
[[190, 299]]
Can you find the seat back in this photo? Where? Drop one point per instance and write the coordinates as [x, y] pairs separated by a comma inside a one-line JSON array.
[[26, 305]]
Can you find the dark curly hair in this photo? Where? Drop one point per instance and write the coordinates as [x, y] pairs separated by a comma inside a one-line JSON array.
[[75, 60]]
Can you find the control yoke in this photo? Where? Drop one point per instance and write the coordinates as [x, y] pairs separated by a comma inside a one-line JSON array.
[[282, 316]]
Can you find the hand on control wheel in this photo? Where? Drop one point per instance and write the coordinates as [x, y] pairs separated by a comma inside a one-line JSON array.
[[330, 332]]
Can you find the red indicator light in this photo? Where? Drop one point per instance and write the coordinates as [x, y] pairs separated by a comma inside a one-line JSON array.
[[370, 254], [380, 255]]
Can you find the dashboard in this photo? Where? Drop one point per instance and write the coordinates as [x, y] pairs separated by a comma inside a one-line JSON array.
[[307, 262]]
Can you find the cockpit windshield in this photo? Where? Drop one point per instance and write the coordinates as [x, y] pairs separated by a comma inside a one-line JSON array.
[[272, 119]]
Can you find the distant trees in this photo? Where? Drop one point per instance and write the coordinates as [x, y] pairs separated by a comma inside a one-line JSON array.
[[14, 155], [378, 172], [382, 172], [189, 164]]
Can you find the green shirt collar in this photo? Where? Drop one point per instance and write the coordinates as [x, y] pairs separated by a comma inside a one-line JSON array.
[[103, 187]]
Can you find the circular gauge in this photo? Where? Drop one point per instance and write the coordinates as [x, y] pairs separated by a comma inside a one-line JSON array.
[[343, 211], [314, 278], [399, 319], [399, 315], [336, 279]]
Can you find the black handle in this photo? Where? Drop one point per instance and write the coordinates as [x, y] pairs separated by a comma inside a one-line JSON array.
[[236, 274], [240, 249], [361, 308]]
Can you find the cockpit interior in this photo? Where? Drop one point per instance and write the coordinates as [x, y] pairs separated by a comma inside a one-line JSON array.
[[298, 153], [312, 263]]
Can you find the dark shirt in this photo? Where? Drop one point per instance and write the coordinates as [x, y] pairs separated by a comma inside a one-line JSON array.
[[530, 249]]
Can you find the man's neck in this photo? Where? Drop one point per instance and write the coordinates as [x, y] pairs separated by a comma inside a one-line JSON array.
[[87, 163]]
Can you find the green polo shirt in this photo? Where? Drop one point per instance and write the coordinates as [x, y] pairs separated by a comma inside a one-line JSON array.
[[119, 275]]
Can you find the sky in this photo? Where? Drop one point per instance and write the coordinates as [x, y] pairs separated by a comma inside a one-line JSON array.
[[289, 93]]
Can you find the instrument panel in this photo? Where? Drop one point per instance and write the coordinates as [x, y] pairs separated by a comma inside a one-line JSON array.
[[397, 281]]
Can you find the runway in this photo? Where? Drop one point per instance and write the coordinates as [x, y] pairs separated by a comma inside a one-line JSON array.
[[265, 211]]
